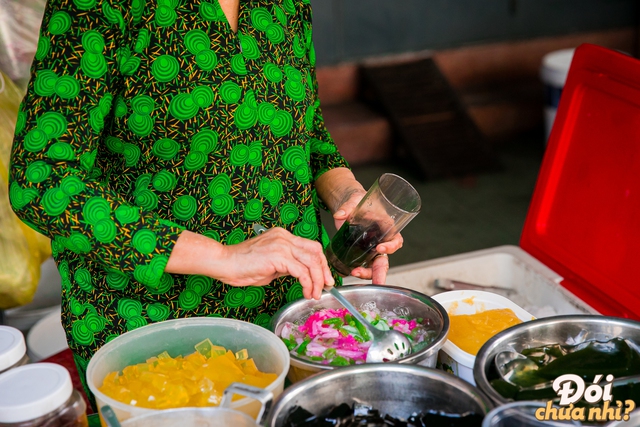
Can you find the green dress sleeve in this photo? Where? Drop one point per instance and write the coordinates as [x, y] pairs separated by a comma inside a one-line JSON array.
[[324, 151], [56, 186]]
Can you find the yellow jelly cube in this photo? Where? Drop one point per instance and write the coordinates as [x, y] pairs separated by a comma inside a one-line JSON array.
[[111, 378], [168, 364], [193, 380], [204, 347], [159, 382], [214, 398], [227, 364], [242, 354], [255, 381], [249, 367], [199, 400], [164, 355], [195, 360], [129, 371], [217, 350]]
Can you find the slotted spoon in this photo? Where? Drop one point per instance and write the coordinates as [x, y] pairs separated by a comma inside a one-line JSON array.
[[385, 345]]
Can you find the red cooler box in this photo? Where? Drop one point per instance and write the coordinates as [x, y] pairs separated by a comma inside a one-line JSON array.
[[579, 251]]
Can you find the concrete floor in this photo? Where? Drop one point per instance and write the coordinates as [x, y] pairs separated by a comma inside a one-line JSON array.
[[462, 215]]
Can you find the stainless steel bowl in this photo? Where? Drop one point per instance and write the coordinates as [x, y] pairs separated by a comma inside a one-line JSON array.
[[391, 388], [522, 414], [569, 329], [633, 421], [413, 303]]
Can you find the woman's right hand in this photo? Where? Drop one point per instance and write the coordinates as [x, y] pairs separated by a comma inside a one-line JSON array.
[[254, 262], [276, 253]]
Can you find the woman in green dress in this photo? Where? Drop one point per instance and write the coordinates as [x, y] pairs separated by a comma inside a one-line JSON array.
[[153, 135]]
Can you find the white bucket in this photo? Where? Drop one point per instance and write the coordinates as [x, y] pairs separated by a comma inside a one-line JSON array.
[[553, 73], [452, 358]]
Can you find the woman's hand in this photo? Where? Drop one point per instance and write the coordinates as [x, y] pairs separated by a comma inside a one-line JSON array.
[[378, 271], [277, 253], [254, 262], [341, 192]]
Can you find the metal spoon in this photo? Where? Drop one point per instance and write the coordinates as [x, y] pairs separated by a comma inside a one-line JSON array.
[[457, 285], [386, 345], [512, 364]]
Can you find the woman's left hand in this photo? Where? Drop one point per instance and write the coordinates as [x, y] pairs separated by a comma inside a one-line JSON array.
[[378, 271]]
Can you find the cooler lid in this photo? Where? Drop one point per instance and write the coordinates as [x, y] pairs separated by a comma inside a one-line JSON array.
[[584, 217]]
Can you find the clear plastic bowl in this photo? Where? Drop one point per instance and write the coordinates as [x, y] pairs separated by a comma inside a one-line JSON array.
[[193, 417], [178, 337]]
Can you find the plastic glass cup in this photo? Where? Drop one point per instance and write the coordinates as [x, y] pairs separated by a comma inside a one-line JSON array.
[[389, 205]]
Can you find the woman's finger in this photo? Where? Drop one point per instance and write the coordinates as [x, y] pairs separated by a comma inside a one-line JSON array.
[[301, 272], [379, 269], [377, 273], [390, 246], [361, 273], [311, 254], [343, 212], [316, 273]]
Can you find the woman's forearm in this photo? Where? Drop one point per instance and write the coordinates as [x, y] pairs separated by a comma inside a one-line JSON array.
[[335, 186], [253, 262], [196, 254]]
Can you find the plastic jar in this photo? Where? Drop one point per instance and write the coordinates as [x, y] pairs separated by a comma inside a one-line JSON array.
[[13, 350], [553, 73], [40, 394]]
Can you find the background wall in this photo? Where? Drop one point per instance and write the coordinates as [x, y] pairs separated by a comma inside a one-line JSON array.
[[350, 30], [490, 51]]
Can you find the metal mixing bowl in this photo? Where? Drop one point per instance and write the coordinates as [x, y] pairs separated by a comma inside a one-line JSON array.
[[411, 303], [391, 388], [571, 329]]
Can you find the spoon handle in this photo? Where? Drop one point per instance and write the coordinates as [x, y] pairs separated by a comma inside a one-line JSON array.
[[109, 416], [354, 312]]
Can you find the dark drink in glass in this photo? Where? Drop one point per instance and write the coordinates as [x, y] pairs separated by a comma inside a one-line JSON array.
[[353, 246], [388, 206]]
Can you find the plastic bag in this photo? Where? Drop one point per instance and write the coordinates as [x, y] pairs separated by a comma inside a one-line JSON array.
[[20, 22], [22, 250]]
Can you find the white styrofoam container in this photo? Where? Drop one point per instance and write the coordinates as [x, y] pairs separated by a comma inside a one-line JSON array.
[[536, 287], [452, 358]]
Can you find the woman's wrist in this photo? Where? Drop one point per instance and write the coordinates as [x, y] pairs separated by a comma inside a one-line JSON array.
[[336, 186], [194, 253]]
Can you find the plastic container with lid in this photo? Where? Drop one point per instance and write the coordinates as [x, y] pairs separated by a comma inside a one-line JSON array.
[[40, 394], [13, 350], [553, 73], [178, 337]]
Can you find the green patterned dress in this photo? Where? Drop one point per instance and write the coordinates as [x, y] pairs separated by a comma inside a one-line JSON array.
[[147, 117]]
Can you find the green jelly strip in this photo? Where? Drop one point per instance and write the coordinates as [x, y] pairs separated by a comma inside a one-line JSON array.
[[333, 321], [339, 361], [302, 350]]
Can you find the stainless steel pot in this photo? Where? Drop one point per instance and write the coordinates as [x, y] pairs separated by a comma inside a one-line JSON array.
[[571, 329], [633, 421], [413, 304], [391, 388]]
